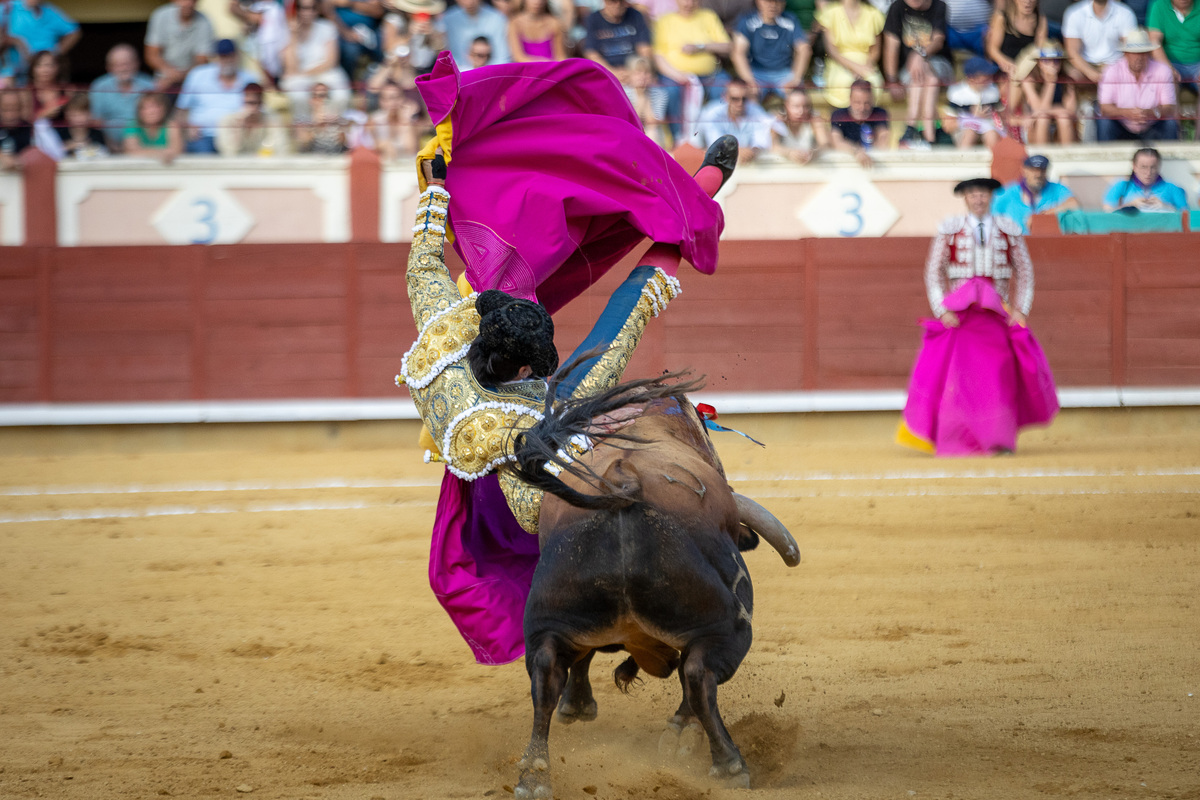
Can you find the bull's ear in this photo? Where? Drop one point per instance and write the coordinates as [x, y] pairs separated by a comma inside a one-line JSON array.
[[747, 539]]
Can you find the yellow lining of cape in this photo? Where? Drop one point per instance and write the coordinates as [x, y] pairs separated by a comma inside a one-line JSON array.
[[443, 138], [907, 438]]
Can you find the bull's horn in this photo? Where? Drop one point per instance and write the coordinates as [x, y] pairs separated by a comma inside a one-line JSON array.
[[765, 524]]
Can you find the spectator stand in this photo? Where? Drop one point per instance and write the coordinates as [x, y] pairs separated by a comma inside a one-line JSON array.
[[281, 199]]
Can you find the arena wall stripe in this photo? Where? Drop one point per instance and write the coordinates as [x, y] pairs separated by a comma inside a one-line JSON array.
[[351, 410], [236, 323]]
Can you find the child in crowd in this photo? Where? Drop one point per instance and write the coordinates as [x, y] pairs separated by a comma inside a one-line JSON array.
[[975, 105], [1042, 96], [800, 134], [80, 140], [154, 136], [649, 101]]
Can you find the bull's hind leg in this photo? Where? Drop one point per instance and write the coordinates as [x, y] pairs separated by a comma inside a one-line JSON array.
[[705, 665], [547, 665], [577, 702]]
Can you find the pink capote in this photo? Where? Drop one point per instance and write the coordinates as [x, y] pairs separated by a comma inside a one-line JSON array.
[[481, 565], [975, 386], [552, 180]]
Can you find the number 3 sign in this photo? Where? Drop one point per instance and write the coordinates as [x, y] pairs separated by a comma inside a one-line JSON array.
[[203, 216], [848, 207]]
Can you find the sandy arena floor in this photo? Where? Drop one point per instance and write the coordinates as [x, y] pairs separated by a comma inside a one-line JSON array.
[[243, 610]]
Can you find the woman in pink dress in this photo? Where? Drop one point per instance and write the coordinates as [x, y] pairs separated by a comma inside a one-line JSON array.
[[534, 34]]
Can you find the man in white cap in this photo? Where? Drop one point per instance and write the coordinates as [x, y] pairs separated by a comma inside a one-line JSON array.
[[1137, 95], [1033, 194]]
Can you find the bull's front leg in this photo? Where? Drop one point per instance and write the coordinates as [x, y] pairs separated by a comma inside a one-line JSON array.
[[547, 674]]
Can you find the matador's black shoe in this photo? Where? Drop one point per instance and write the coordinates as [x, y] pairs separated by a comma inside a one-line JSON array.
[[722, 154]]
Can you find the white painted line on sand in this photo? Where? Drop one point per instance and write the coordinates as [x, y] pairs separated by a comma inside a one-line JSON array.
[[746, 477], [997, 491], [945, 474], [215, 486], [60, 515]]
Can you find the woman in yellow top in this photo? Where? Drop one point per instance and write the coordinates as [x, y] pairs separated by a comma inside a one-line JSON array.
[[852, 31], [691, 41]]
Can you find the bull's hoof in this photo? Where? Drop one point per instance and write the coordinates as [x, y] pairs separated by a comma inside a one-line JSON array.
[[535, 780], [733, 775], [538, 792], [576, 712], [691, 739], [668, 743]]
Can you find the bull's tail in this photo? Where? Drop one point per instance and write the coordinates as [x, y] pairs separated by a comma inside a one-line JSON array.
[[625, 674], [545, 450]]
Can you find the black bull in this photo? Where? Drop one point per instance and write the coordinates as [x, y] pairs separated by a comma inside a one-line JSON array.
[[649, 564]]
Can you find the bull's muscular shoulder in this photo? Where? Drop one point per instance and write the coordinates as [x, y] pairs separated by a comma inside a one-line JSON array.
[[1008, 226], [951, 225]]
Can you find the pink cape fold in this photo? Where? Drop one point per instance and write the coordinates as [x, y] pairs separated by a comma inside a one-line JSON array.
[[975, 386], [552, 180], [481, 564]]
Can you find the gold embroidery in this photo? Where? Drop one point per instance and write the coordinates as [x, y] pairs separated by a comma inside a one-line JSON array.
[[473, 425], [523, 500]]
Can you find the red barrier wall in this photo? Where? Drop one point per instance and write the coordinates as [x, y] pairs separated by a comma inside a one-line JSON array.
[[308, 321]]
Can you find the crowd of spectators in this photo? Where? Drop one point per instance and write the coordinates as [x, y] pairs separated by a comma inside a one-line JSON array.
[[788, 77]]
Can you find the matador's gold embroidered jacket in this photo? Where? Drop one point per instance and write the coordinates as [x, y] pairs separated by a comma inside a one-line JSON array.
[[473, 425]]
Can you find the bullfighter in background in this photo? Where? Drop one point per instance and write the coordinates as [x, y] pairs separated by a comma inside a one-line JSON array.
[[981, 375]]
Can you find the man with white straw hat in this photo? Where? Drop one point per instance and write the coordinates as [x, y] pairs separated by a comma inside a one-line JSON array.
[[1137, 95]]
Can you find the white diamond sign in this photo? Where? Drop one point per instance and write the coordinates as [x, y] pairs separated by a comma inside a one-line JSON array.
[[203, 215], [848, 207]]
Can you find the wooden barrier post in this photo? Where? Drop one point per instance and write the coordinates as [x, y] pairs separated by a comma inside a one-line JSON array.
[[365, 180], [45, 321], [810, 366], [1119, 282], [39, 175], [353, 322]]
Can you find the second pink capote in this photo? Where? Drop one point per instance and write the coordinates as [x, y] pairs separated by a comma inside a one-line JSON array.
[[975, 386], [552, 180]]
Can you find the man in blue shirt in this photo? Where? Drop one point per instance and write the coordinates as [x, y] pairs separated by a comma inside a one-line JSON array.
[[210, 93], [465, 22], [115, 94], [1145, 189], [616, 33], [1033, 194], [737, 115], [42, 26], [770, 50]]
